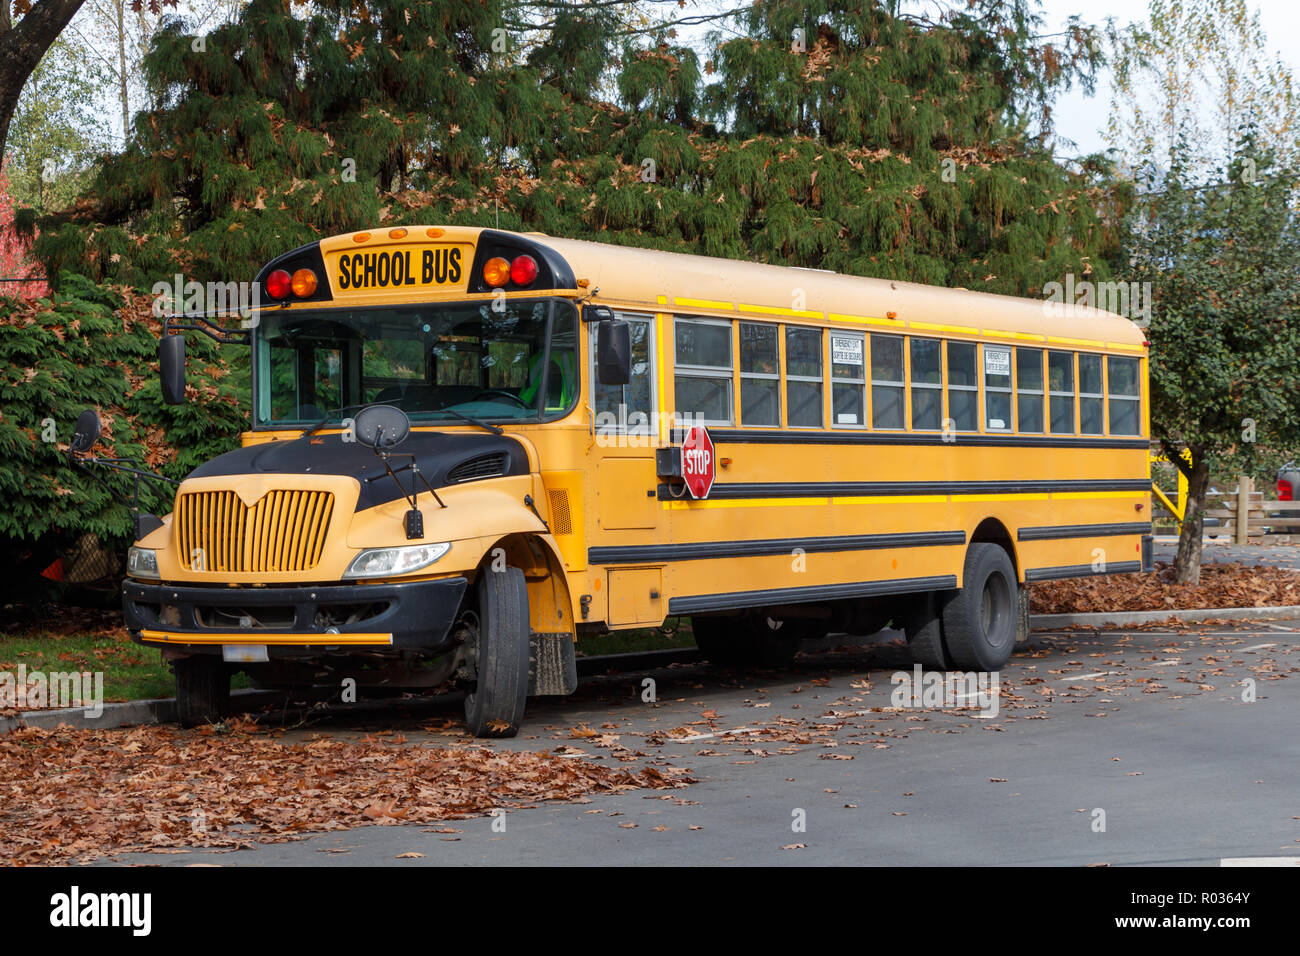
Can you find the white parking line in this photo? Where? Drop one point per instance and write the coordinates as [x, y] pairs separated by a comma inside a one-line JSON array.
[[1087, 676], [1258, 647], [1260, 861]]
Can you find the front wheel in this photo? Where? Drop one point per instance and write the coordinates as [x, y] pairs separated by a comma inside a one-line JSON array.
[[979, 623], [494, 707], [202, 689]]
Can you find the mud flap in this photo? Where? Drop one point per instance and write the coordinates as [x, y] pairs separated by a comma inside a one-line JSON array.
[[552, 665], [1022, 613]]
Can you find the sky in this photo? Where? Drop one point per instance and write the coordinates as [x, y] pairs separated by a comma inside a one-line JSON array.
[[1077, 117], [1083, 119]]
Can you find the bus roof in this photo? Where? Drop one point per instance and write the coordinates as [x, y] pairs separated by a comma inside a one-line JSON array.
[[702, 285], [682, 282]]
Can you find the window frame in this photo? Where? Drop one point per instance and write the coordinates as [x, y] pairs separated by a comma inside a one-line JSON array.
[[742, 375], [900, 384], [987, 389], [912, 384], [862, 383], [787, 378], [716, 372], [1072, 394], [1135, 400], [652, 359], [1078, 378], [1040, 393]]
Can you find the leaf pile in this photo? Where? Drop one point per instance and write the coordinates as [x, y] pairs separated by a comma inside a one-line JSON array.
[[74, 795], [1222, 586]]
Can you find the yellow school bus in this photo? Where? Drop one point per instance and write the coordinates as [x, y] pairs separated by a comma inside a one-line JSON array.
[[472, 448]]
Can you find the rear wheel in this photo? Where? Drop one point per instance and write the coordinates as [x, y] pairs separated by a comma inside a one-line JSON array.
[[494, 707], [979, 623], [202, 689], [923, 627]]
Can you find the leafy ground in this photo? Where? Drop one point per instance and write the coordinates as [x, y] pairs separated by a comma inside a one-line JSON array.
[[74, 795], [1222, 586]]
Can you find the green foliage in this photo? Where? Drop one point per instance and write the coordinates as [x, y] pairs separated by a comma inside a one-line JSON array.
[[1225, 323], [884, 146], [877, 145], [88, 346]]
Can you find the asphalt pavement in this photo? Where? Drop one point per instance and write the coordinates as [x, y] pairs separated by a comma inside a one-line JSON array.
[[1149, 746]]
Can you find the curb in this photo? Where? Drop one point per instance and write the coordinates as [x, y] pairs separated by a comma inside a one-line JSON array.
[[123, 713], [163, 709], [1038, 622]]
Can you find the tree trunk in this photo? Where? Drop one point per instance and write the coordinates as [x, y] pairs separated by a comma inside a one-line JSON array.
[[1187, 564], [22, 47]]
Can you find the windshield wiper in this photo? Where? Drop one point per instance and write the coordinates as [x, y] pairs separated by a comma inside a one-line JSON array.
[[329, 416], [494, 429]]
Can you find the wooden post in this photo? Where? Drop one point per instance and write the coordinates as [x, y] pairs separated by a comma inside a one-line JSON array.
[[1243, 509]]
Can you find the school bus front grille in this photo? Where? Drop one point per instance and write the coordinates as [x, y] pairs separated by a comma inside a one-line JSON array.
[[284, 531]]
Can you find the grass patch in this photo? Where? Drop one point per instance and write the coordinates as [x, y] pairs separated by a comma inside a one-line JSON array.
[[642, 639], [131, 672]]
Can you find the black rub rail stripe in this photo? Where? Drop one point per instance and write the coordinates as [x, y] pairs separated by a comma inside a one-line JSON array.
[[825, 592], [799, 437], [1043, 532], [700, 550], [1081, 571], [846, 489]]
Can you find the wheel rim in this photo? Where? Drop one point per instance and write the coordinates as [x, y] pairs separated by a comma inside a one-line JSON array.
[[995, 607]]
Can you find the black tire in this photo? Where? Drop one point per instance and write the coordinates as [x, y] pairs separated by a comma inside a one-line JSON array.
[[494, 707], [923, 627], [202, 689], [979, 622]]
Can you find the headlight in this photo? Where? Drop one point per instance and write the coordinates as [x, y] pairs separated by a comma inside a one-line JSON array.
[[381, 562], [142, 563]]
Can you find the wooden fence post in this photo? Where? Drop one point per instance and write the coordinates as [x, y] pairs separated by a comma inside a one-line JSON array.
[[1243, 510]]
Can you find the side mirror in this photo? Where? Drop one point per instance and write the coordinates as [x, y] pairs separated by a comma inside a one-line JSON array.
[[171, 368], [613, 352], [381, 427], [86, 433]]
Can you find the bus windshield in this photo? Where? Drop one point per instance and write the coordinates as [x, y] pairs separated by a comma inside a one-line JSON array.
[[430, 360]]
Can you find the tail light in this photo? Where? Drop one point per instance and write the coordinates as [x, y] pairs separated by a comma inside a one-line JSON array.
[[496, 272], [1284, 490], [303, 283], [278, 284], [523, 270]]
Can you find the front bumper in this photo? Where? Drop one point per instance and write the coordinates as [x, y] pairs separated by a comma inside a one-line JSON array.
[[416, 615]]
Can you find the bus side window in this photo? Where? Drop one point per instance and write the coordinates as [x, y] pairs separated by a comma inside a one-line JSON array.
[[927, 384], [848, 379], [1125, 395], [1060, 384], [1091, 417], [997, 388], [636, 396], [760, 375], [887, 386], [803, 377], [963, 387], [1029, 390], [702, 370]]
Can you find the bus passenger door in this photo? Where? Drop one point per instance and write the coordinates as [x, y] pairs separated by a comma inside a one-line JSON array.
[[627, 511]]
